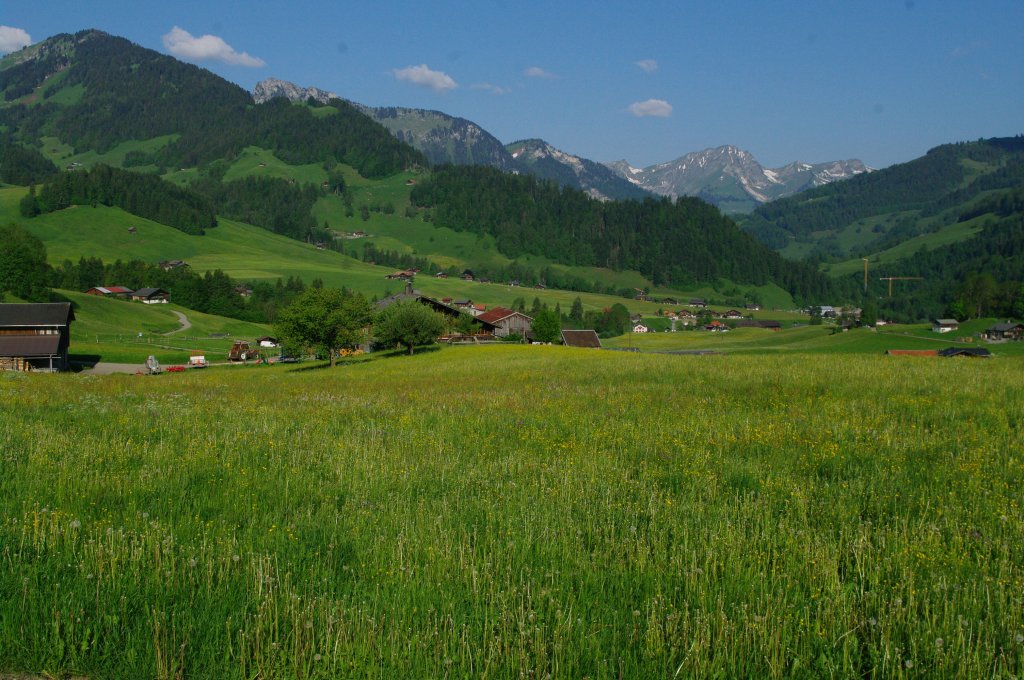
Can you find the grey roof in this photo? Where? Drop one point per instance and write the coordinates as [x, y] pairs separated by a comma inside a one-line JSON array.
[[965, 352], [1007, 326], [150, 292], [398, 297], [36, 314], [947, 322], [29, 345]]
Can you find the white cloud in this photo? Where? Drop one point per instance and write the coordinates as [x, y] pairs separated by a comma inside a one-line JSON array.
[[183, 44], [659, 108], [493, 89], [647, 65], [422, 75], [538, 72], [13, 39]]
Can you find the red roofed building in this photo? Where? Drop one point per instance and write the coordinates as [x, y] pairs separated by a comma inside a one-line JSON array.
[[507, 322]]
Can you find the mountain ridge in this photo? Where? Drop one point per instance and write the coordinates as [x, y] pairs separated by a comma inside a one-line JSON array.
[[732, 178]]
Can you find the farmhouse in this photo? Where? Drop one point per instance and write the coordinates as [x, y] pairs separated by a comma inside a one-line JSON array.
[[507, 322], [1004, 331], [110, 291], [35, 336], [698, 302], [168, 265], [945, 325], [402, 275], [640, 328], [732, 314], [151, 296], [410, 294]]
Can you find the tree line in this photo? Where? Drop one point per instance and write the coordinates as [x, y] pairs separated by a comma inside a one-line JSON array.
[[143, 195]]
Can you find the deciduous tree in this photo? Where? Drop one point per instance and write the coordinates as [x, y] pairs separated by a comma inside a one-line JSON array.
[[408, 324], [327, 319]]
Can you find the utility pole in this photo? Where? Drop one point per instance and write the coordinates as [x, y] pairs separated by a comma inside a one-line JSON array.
[[890, 279], [865, 274]]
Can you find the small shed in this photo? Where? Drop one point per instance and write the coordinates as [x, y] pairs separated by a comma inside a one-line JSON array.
[[945, 325], [582, 338]]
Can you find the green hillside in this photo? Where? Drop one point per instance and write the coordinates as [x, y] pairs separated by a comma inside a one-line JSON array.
[[875, 214]]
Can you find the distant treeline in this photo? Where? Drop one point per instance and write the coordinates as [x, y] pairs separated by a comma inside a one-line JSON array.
[[677, 243], [22, 165], [272, 203], [147, 196], [212, 292], [129, 92]]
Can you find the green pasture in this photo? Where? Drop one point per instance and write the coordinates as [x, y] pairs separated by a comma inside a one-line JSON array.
[[122, 331], [516, 512], [804, 338], [249, 253]]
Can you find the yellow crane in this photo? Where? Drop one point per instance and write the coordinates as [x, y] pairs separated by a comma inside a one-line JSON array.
[[890, 279]]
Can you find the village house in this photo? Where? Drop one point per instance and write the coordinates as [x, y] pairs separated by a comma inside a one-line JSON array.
[[697, 302], [110, 291], [1002, 332], [945, 325], [401, 275], [640, 328], [243, 290], [507, 322], [151, 296], [168, 265], [753, 307], [35, 336], [732, 314]]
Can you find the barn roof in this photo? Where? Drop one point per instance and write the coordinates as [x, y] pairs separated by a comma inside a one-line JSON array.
[[585, 338], [32, 315], [981, 352], [150, 292], [29, 345], [496, 314]]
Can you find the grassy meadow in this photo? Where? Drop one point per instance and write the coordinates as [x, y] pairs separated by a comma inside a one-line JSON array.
[[517, 512]]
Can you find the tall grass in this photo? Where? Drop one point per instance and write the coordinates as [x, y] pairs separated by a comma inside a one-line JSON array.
[[517, 511]]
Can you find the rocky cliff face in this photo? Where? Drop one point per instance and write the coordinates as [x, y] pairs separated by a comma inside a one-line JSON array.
[[440, 137], [266, 90], [732, 178], [537, 157]]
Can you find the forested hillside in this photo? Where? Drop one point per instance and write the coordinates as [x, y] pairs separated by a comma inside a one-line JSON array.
[[874, 211], [674, 244], [93, 91], [143, 195]]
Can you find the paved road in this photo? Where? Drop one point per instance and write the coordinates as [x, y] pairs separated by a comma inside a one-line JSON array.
[[183, 320]]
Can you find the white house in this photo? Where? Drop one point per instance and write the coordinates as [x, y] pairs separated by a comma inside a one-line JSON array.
[[640, 328]]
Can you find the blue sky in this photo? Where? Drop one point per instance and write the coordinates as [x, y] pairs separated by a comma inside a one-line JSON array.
[[813, 80]]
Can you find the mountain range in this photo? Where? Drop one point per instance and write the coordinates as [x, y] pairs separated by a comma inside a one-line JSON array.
[[732, 179], [727, 176]]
